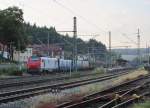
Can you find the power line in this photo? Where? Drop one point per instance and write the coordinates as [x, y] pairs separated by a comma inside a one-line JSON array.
[[138, 45], [127, 46], [75, 54], [71, 11], [132, 41], [83, 18], [93, 36], [37, 10], [110, 53], [75, 42], [128, 38]]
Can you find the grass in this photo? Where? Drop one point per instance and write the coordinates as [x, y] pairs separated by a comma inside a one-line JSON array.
[[100, 70], [9, 71], [94, 72], [130, 76], [142, 105], [13, 70], [78, 92]]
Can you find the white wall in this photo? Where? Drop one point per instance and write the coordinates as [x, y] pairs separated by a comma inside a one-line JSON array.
[[5, 54], [22, 56]]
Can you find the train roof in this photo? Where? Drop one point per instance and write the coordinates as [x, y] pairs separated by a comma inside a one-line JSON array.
[[48, 58]]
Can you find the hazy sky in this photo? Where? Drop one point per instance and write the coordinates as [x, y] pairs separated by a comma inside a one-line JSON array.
[[121, 17]]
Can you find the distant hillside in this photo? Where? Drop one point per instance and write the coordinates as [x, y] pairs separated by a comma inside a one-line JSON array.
[[128, 51], [39, 35], [130, 54]]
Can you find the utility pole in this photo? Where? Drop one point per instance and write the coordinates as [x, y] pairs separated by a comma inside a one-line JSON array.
[[138, 46], [19, 51], [110, 48], [75, 42], [11, 50], [148, 56], [48, 43], [147, 53], [93, 54]]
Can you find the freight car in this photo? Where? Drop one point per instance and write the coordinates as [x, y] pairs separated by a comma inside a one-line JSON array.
[[118, 69], [45, 64]]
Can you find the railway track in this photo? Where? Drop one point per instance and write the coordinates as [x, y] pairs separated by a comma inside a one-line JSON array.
[[6, 81], [40, 80], [115, 97], [133, 93], [29, 92], [132, 100], [36, 77]]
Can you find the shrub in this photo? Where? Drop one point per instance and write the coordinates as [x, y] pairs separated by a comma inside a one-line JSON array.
[[100, 70], [76, 74], [13, 70], [143, 105]]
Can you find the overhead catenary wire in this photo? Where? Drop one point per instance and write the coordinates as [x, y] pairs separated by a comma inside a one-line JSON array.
[[126, 35], [72, 12], [81, 17], [65, 7], [132, 41], [37, 10], [78, 15]]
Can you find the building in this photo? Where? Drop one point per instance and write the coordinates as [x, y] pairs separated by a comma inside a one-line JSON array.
[[4, 49], [1, 47], [121, 62], [5, 54], [83, 57], [22, 56], [17, 55], [38, 50], [44, 50]]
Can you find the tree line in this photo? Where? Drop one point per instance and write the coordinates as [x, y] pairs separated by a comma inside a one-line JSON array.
[[12, 33], [15, 33]]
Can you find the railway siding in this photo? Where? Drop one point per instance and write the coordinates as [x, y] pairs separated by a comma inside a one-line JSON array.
[[57, 97], [78, 92], [110, 97]]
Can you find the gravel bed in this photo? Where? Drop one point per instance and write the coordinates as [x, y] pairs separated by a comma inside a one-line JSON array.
[[10, 79], [56, 98], [45, 83]]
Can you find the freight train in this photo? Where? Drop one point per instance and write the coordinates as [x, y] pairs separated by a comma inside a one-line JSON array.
[[46, 64]]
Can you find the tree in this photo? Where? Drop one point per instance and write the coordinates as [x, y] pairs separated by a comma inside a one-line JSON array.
[[65, 41], [12, 31]]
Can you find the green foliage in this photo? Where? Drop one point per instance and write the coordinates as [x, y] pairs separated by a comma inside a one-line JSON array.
[[38, 35], [100, 70], [143, 105], [14, 70], [12, 28], [76, 74]]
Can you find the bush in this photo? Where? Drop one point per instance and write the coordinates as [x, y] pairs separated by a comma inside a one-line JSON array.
[[14, 70], [100, 70], [76, 74], [143, 105]]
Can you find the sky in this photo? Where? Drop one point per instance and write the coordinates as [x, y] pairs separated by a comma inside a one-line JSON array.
[[94, 17]]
